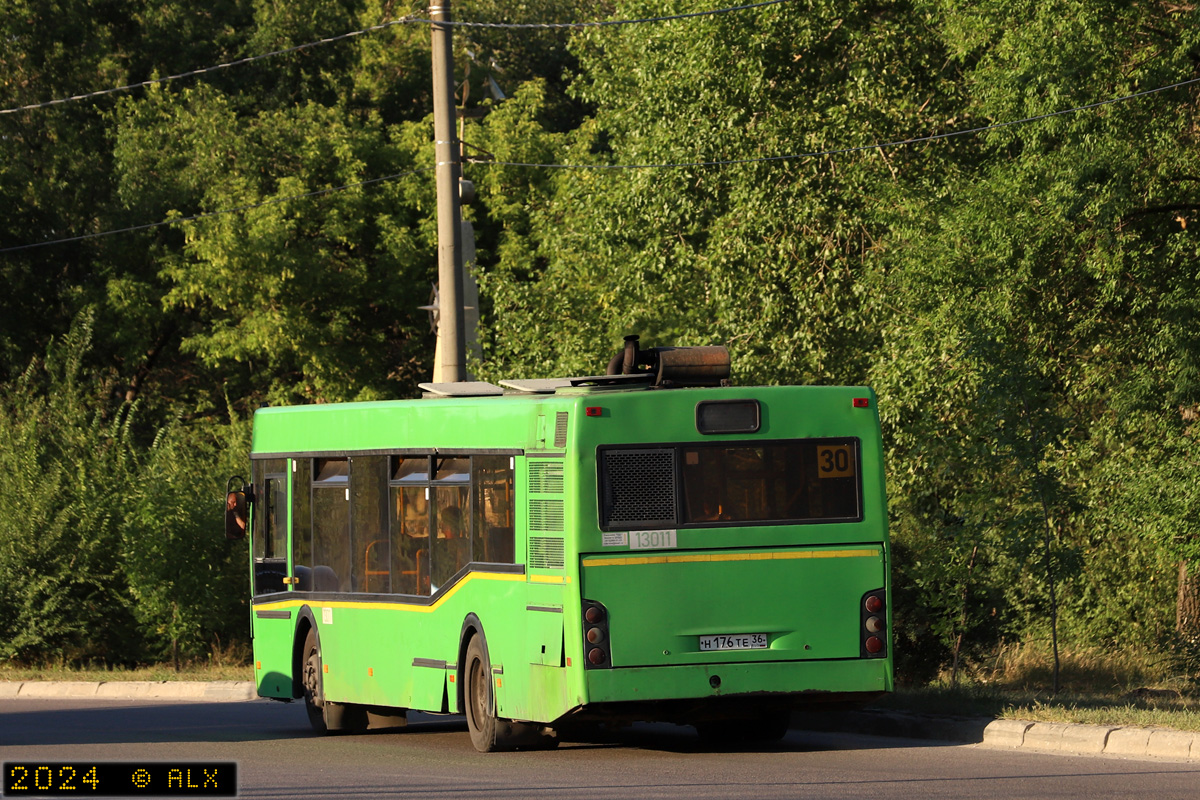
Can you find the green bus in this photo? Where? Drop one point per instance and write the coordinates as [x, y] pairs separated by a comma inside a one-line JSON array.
[[651, 544]]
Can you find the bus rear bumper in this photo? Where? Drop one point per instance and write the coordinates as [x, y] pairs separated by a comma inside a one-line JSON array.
[[799, 684]]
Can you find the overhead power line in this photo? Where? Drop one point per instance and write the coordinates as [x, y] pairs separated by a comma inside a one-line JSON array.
[[602, 23], [341, 37], [193, 73], [857, 148], [727, 162], [207, 214]]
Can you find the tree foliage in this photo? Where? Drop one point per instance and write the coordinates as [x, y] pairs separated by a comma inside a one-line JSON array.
[[1052, 297], [769, 256], [1023, 299], [108, 546]]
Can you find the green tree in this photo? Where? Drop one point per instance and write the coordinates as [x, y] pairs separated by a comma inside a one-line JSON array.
[[1067, 252], [494, 61], [57, 178], [187, 584], [304, 299], [110, 548], [66, 465], [769, 257]]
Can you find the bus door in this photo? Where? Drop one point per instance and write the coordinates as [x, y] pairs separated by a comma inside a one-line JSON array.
[[272, 627], [270, 526]]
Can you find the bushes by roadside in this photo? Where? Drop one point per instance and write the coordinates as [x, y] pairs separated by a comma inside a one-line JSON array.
[[110, 529]]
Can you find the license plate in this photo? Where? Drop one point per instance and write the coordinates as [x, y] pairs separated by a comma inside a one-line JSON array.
[[734, 641]]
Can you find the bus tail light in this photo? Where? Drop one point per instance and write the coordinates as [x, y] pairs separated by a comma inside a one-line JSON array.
[[596, 653], [873, 631]]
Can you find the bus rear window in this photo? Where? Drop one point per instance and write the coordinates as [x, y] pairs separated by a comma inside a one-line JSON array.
[[803, 480], [730, 483]]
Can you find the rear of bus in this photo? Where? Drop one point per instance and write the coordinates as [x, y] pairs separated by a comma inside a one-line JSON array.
[[736, 562]]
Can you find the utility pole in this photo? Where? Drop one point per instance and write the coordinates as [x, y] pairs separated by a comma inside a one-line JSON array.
[[452, 365]]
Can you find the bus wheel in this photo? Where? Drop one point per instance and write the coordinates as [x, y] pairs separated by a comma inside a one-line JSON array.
[[481, 712], [314, 696]]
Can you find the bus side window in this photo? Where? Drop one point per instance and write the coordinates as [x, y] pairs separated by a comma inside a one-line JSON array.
[[501, 549], [451, 549], [331, 525], [408, 499], [370, 566], [492, 527]]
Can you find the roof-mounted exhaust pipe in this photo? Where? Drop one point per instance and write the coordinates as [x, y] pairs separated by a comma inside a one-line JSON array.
[[626, 361], [673, 366]]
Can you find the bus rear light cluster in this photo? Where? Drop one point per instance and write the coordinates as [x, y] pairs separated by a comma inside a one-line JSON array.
[[595, 635], [874, 624]]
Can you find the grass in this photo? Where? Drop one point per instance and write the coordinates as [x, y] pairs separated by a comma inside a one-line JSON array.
[[156, 672], [225, 662], [1180, 712], [1095, 688]]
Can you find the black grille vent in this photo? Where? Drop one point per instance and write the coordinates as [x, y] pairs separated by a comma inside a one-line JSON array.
[[639, 488], [560, 429], [546, 553], [545, 477], [545, 515]]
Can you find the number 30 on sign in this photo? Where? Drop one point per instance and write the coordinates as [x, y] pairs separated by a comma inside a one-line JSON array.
[[835, 461]]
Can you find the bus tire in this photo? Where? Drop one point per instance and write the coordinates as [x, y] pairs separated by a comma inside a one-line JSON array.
[[314, 694], [478, 697]]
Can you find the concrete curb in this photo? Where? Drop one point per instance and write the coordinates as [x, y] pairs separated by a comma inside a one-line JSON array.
[[210, 691], [1006, 732], [1114, 740], [1049, 737]]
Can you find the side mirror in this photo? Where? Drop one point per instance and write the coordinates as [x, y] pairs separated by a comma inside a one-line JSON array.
[[236, 509]]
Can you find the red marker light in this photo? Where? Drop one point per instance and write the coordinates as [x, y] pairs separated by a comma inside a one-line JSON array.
[[594, 411], [862, 402]]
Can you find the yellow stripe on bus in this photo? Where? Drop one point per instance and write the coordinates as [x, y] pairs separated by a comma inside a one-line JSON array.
[[549, 578], [470, 576], [703, 557]]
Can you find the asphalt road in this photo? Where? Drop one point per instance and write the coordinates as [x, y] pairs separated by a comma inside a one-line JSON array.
[[279, 757]]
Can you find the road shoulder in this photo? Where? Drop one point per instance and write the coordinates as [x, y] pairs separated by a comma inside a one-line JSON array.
[[1051, 737]]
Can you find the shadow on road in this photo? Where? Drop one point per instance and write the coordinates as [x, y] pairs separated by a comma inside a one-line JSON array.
[[50, 723], [35, 722]]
